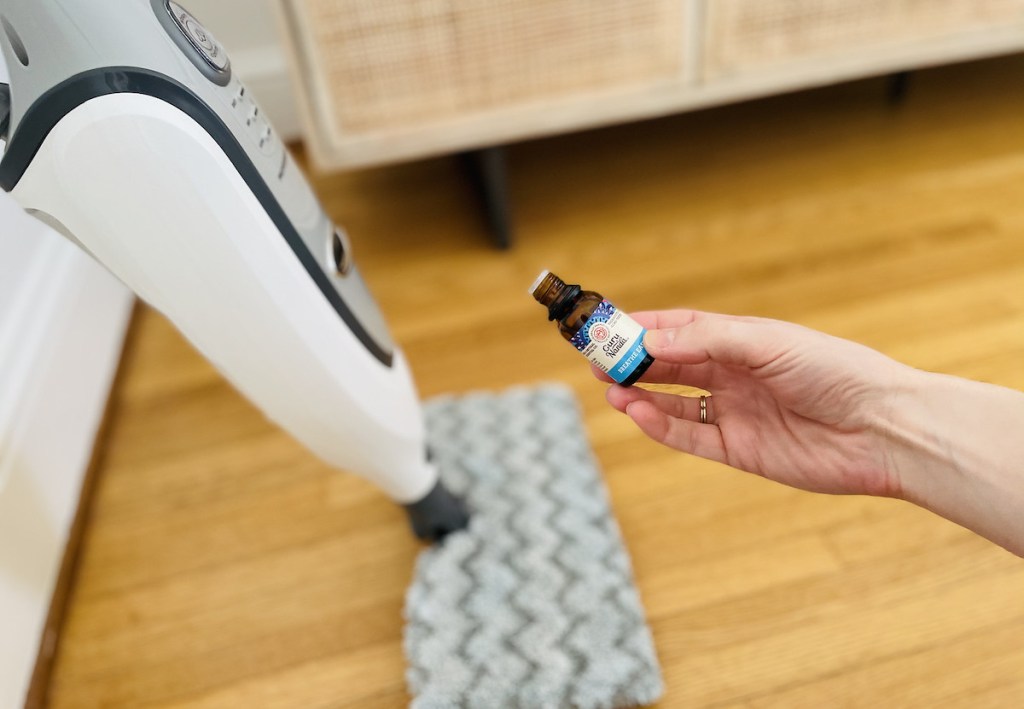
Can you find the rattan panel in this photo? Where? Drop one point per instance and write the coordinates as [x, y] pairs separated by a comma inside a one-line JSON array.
[[747, 35], [390, 64]]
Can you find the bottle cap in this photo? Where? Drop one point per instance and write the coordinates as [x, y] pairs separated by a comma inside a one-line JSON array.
[[541, 277]]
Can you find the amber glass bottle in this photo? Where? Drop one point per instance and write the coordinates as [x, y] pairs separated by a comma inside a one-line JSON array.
[[606, 336]]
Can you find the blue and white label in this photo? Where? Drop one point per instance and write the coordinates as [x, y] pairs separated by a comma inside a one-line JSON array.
[[612, 341]]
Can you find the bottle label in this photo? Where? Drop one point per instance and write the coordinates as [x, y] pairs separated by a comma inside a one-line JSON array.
[[612, 341]]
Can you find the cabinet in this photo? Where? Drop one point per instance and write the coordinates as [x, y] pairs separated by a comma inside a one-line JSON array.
[[390, 80]]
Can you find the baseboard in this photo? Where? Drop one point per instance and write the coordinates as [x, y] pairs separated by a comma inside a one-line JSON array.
[[61, 334]]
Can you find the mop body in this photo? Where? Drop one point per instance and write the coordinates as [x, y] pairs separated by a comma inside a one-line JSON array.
[[534, 605]]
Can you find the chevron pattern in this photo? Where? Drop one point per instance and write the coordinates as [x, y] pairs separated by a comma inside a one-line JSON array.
[[534, 606]]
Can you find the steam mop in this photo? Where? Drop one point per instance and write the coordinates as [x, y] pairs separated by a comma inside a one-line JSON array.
[[127, 131]]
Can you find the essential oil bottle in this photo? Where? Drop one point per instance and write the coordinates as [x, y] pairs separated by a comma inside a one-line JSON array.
[[610, 339]]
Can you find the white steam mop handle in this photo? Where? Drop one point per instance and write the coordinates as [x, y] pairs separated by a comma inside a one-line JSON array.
[[152, 195]]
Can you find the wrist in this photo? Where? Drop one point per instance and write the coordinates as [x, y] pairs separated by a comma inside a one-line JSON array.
[[913, 434], [953, 446]]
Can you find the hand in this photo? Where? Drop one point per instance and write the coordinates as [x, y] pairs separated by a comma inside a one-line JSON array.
[[787, 403]]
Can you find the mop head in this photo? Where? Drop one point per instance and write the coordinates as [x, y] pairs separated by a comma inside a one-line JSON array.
[[534, 605]]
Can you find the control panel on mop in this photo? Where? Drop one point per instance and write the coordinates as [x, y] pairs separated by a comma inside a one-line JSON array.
[[210, 58], [207, 49], [252, 126]]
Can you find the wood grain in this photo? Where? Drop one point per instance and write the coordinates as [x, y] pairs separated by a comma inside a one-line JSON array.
[[224, 566]]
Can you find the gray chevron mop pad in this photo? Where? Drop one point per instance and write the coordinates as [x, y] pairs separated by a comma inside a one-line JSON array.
[[534, 606]]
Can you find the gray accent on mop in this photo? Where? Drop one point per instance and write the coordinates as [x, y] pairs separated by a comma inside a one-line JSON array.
[[534, 605]]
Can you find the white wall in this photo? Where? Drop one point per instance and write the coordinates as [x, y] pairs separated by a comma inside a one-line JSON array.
[[62, 322]]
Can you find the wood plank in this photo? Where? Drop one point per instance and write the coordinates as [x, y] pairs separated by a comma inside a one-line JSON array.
[[980, 667]]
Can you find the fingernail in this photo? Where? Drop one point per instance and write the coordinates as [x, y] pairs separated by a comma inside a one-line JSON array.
[[659, 339]]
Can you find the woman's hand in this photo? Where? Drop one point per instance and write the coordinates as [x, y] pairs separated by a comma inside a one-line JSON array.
[[824, 414], [787, 403]]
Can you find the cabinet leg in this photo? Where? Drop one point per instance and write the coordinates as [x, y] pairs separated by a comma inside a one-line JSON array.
[[487, 173], [897, 87]]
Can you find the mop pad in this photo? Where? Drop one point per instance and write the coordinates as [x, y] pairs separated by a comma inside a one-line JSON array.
[[534, 605]]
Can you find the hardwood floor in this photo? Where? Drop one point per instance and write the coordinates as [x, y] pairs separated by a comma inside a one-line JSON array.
[[225, 567]]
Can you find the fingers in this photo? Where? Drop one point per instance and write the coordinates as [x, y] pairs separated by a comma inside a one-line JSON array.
[[650, 320], [688, 344], [709, 337], [694, 375], [687, 436], [681, 407], [661, 319]]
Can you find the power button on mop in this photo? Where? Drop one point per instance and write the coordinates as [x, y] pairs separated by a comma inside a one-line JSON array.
[[200, 38]]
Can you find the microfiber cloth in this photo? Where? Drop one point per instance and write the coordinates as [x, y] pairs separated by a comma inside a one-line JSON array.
[[534, 605]]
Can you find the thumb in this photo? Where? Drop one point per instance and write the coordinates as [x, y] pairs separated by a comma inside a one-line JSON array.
[[708, 337], [676, 345], [659, 342]]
